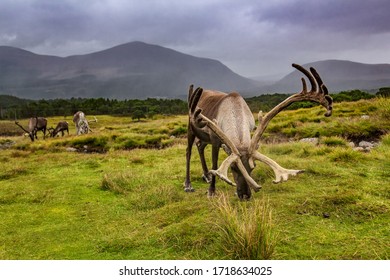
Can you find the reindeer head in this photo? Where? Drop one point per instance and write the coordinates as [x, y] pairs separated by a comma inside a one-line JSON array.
[[50, 131], [30, 134], [242, 160]]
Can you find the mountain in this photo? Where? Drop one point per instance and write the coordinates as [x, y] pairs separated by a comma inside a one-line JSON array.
[[138, 70], [338, 75], [128, 71]]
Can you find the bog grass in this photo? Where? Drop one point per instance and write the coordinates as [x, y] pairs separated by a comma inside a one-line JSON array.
[[111, 200]]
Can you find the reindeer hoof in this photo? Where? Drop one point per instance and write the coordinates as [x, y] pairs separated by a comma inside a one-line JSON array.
[[210, 194], [188, 188]]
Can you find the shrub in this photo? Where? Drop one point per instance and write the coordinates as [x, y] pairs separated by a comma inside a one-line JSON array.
[[131, 143], [89, 143], [384, 107], [181, 130], [137, 141]]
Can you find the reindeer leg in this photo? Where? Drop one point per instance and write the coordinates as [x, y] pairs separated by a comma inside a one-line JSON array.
[[214, 156], [281, 174], [206, 176], [190, 141]]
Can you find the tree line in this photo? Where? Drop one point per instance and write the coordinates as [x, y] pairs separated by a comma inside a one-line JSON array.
[[12, 107], [15, 108]]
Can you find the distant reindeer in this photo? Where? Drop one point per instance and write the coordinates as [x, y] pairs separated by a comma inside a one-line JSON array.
[[34, 125], [225, 120], [82, 126], [61, 127]]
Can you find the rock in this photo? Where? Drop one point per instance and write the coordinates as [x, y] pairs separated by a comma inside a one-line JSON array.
[[6, 144], [314, 140], [366, 145], [70, 149], [365, 117], [359, 149], [351, 144]]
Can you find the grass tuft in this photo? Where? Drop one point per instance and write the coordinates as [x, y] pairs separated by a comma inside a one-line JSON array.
[[116, 184], [246, 229], [345, 155], [334, 141]]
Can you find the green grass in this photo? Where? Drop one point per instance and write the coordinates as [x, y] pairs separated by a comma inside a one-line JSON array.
[[129, 203], [245, 229], [346, 121]]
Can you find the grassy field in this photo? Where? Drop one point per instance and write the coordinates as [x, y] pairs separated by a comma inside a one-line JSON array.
[[120, 195]]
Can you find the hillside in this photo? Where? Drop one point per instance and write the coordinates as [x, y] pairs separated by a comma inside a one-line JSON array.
[[338, 75], [133, 70], [117, 193]]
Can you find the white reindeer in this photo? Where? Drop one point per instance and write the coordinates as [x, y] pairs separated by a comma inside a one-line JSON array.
[[82, 126]]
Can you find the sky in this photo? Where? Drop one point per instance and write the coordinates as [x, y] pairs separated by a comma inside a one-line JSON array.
[[252, 37]]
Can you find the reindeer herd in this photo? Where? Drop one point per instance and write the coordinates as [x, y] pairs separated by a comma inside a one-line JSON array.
[[36, 124], [224, 121]]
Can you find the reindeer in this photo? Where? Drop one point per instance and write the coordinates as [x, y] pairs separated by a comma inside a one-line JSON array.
[[34, 125], [225, 120], [82, 126], [61, 127]]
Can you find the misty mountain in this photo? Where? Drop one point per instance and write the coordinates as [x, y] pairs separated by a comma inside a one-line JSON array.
[[138, 70], [128, 71], [338, 75]]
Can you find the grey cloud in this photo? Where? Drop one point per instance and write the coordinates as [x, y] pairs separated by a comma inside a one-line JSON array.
[[355, 16], [249, 36]]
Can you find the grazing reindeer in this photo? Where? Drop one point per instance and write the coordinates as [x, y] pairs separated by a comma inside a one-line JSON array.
[[82, 126], [34, 125], [225, 120], [61, 127]]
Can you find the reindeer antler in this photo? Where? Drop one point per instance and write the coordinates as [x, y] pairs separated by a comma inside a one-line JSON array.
[[30, 134], [25, 130], [234, 156], [318, 93]]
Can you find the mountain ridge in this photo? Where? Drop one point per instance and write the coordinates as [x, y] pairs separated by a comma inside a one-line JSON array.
[[339, 75], [132, 70], [138, 70]]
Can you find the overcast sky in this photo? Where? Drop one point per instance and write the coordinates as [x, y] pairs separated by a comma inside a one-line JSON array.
[[253, 38]]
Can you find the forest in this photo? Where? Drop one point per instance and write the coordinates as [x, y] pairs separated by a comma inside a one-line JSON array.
[[15, 108]]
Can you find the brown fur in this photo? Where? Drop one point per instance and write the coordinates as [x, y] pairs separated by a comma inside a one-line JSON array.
[[234, 117]]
